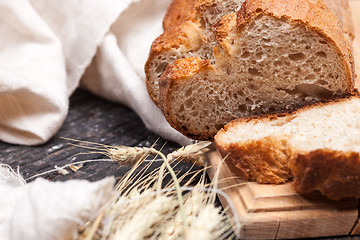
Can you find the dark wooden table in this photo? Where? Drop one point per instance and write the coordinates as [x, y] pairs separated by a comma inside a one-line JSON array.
[[91, 119]]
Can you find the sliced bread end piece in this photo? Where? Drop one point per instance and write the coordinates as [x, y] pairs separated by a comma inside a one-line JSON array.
[[319, 145]]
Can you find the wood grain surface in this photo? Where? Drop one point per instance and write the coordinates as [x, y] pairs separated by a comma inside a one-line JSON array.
[[91, 119]]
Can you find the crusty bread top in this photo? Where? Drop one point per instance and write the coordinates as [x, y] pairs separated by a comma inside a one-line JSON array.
[[186, 67], [178, 12], [336, 174]]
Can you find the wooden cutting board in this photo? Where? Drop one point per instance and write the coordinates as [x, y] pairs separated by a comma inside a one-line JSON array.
[[278, 212]]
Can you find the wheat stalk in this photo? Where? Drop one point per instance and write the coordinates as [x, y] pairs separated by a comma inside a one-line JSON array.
[[125, 155], [136, 155], [148, 215], [142, 209], [72, 166]]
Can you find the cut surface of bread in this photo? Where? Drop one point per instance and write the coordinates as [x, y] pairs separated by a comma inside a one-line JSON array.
[[318, 146], [233, 59]]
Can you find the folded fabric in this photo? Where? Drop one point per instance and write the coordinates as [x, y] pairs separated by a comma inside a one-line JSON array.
[[48, 210], [46, 47]]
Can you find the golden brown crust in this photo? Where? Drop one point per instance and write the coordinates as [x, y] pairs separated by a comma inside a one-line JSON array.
[[335, 174], [261, 160], [313, 13], [180, 37], [223, 28], [178, 12], [183, 68]]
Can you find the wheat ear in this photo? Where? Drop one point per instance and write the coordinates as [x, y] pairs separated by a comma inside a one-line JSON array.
[[192, 153], [125, 155]]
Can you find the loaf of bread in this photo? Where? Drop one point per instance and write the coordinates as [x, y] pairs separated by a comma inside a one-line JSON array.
[[219, 60], [318, 146]]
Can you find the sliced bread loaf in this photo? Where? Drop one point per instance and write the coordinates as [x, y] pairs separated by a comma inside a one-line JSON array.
[[187, 32], [270, 56], [318, 146]]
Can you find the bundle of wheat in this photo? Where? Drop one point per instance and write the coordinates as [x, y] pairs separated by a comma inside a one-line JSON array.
[[142, 208]]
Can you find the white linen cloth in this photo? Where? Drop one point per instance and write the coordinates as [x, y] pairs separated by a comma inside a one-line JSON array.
[[45, 48], [44, 210]]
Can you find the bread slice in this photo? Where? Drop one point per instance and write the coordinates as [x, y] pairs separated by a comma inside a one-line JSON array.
[[270, 56], [318, 146]]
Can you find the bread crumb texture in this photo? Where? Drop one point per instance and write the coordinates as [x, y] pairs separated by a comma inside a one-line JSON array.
[[219, 60]]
